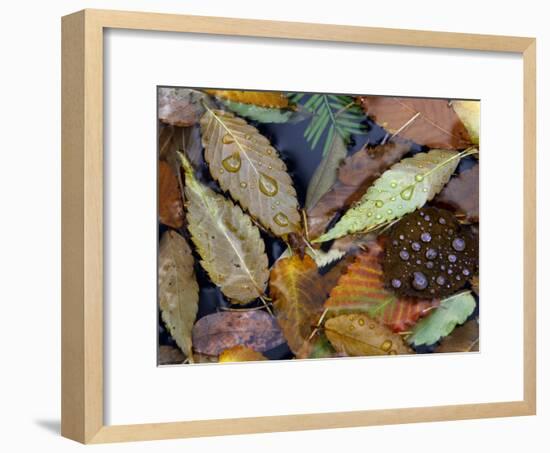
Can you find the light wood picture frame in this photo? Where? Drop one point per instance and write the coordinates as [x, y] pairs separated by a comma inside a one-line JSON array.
[[82, 224]]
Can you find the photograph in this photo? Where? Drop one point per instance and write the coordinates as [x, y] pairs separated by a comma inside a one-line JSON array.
[[302, 225]]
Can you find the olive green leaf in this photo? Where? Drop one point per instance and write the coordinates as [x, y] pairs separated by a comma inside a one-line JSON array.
[[246, 165], [178, 289], [452, 311], [402, 189], [229, 244]]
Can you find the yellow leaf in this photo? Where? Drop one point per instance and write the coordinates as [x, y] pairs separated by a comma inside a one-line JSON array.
[[469, 112], [229, 244], [248, 167], [260, 98], [241, 354], [360, 335]]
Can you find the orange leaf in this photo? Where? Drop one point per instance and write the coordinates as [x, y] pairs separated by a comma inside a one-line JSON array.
[[241, 353], [170, 202], [298, 296], [260, 98]]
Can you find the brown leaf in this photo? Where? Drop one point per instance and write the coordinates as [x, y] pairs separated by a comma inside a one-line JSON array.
[[178, 289], [170, 202], [169, 355], [475, 284], [297, 292], [429, 122], [358, 335], [180, 106], [461, 194], [165, 140], [241, 354], [260, 98], [355, 176], [462, 339], [217, 332]]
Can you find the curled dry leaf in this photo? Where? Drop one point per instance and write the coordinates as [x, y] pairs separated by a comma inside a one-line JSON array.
[[178, 289], [429, 122], [361, 289], [169, 355], [229, 244], [180, 106], [463, 339], [248, 167], [170, 202], [217, 332], [269, 99], [241, 353], [359, 335], [461, 195], [469, 113], [405, 187], [297, 292], [355, 176]]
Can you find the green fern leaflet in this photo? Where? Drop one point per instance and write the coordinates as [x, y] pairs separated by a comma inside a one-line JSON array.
[[331, 114]]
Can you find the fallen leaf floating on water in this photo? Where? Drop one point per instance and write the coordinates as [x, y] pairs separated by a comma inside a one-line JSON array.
[[452, 311], [405, 187], [297, 292], [180, 106], [317, 348], [170, 202], [469, 113], [429, 254], [241, 353], [178, 289], [248, 167], [229, 244], [356, 174], [428, 122], [361, 289], [326, 172], [269, 99], [260, 114], [359, 335], [463, 339], [217, 332], [330, 115], [462, 195], [169, 355]]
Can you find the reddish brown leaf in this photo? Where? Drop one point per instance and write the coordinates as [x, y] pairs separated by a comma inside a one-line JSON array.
[[170, 202], [461, 195], [180, 106], [169, 355], [297, 291], [214, 333], [361, 289], [355, 176], [166, 140], [429, 122]]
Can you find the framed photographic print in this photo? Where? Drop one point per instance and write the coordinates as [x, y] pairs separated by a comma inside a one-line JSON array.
[[304, 206]]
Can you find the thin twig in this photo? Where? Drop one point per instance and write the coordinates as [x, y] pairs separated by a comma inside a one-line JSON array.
[[318, 325]]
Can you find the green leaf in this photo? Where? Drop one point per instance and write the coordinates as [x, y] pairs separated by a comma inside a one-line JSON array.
[[257, 113], [452, 311], [330, 115], [327, 171], [402, 189]]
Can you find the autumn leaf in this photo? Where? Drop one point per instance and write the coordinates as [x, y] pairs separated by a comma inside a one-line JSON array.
[[241, 353], [178, 289], [356, 174], [170, 202], [248, 167], [452, 311], [359, 335], [361, 289], [463, 339], [269, 99], [461, 195], [428, 122], [317, 348], [217, 332], [469, 114], [475, 284], [296, 289], [405, 187], [180, 106], [169, 355], [260, 114], [165, 140], [229, 244], [327, 171]]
